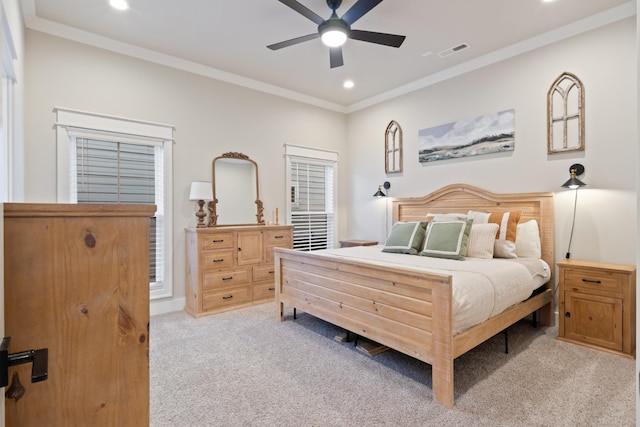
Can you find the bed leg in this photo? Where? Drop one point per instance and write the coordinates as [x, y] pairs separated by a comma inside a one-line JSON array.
[[506, 340], [535, 319], [294, 313]]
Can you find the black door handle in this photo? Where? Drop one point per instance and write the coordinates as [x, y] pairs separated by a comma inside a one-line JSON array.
[[39, 358]]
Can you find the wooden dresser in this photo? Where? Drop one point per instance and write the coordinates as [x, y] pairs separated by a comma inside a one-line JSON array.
[[76, 281], [231, 267], [597, 305]]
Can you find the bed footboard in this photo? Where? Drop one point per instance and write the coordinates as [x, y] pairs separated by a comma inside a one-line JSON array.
[[408, 312]]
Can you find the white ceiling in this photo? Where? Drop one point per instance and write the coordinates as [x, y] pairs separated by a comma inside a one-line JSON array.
[[227, 39]]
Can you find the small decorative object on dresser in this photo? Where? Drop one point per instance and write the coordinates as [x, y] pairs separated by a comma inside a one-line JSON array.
[[231, 267], [351, 243], [597, 305]]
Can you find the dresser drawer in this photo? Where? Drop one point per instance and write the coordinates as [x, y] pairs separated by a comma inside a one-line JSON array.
[[263, 273], [211, 300], [217, 260], [224, 279], [217, 241], [278, 238], [264, 291], [593, 280]]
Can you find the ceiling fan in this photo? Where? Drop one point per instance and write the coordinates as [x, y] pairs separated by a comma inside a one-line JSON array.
[[334, 31]]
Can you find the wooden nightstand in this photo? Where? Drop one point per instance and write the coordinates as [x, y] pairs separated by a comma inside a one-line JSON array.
[[597, 305], [350, 243]]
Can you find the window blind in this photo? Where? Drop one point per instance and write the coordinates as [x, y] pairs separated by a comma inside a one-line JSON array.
[[312, 210], [117, 172]]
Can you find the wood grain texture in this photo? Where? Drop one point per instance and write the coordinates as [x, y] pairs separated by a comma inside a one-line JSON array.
[[599, 298], [410, 312], [77, 283], [231, 267]]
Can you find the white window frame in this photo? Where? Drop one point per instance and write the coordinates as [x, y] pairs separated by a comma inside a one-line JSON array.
[[73, 123], [295, 153], [7, 154]]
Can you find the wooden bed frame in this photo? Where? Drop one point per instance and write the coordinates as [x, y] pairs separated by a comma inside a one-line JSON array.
[[404, 311]]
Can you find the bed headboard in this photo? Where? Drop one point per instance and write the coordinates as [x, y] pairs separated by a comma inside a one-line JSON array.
[[460, 198]]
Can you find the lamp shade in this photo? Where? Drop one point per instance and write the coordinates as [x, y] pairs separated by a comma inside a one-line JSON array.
[[573, 182], [379, 193], [201, 191]]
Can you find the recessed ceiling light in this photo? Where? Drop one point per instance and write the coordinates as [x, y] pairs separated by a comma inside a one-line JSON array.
[[119, 4], [348, 84]]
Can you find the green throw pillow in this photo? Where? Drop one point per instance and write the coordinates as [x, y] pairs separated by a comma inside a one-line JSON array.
[[405, 238], [447, 239]]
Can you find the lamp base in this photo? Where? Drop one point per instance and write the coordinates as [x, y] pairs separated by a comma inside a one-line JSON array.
[[201, 214]]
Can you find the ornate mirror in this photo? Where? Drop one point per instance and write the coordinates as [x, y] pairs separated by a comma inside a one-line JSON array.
[[236, 200]]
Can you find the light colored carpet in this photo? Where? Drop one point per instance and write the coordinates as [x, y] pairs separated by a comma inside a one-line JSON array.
[[243, 368]]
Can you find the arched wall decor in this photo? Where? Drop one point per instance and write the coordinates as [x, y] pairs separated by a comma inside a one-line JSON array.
[[393, 148], [565, 114]]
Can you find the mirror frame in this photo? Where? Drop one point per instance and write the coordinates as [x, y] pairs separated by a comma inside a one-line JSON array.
[[212, 206]]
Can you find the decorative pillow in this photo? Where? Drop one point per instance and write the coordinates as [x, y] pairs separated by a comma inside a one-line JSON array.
[[505, 244], [447, 239], [445, 216], [528, 243], [405, 237], [481, 240]]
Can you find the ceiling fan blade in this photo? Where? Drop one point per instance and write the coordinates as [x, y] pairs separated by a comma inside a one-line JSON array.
[[303, 10], [392, 40], [291, 42], [335, 57], [358, 10]]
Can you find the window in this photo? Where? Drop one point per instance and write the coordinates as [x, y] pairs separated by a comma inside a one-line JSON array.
[[311, 185], [103, 159], [118, 172]]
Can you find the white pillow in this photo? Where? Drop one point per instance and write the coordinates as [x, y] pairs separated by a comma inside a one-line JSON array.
[[528, 243], [439, 217], [481, 240]]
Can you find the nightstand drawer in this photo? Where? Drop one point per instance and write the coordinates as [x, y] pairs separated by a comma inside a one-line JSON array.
[[593, 280], [224, 279]]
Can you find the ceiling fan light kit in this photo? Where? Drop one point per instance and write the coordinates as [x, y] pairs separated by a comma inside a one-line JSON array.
[[336, 30]]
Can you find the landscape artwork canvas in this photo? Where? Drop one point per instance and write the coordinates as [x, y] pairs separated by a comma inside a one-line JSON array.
[[486, 134]]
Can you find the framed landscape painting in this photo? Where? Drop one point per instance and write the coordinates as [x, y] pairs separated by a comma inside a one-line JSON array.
[[486, 134]]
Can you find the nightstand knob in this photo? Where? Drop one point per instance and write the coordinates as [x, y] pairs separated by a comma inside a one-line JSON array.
[[567, 314]]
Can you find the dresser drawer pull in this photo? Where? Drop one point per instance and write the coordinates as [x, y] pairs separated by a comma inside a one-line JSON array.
[[271, 271], [227, 278], [272, 289], [218, 241], [227, 297], [218, 260], [591, 281], [278, 237]]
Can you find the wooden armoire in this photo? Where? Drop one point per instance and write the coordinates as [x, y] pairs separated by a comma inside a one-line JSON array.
[[77, 282]]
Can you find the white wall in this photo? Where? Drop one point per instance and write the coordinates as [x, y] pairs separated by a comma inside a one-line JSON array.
[[605, 61], [210, 118], [213, 117]]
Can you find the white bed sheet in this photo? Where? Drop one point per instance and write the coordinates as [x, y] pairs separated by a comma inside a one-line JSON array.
[[482, 288]]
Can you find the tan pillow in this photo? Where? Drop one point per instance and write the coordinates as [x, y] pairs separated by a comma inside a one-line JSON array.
[[481, 240]]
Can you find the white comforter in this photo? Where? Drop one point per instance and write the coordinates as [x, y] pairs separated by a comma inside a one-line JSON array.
[[482, 288]]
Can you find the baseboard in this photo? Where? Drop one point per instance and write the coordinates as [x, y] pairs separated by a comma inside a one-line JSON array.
[[166, 306]]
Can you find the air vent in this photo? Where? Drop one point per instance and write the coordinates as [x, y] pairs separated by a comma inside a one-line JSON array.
[[453, 50]]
